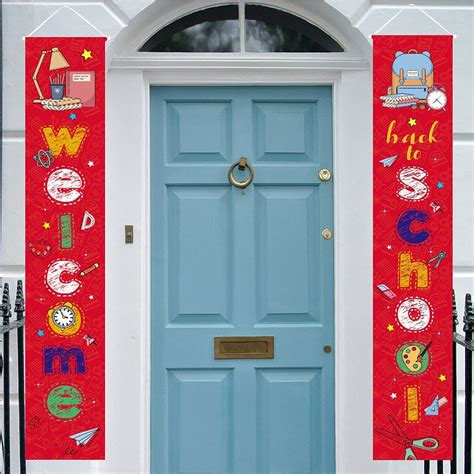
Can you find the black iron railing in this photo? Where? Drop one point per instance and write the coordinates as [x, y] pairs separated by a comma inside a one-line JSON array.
[[467, 342], [6, 328]]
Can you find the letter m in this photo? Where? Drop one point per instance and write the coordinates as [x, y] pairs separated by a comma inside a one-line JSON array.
[[64, 356], [64, 139]]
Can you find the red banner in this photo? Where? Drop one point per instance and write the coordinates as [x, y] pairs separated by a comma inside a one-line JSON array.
[[65, 364], [412, 382]]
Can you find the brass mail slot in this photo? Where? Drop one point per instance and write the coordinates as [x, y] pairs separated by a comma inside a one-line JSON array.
[[248, 347]]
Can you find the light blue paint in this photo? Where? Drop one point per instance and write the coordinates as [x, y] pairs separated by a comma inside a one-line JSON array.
[[226, 263]]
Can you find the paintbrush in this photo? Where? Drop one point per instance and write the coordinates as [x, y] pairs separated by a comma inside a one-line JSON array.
[[420, 357]]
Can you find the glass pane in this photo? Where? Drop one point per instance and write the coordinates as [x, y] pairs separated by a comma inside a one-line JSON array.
[[269, 30], [214, 30]]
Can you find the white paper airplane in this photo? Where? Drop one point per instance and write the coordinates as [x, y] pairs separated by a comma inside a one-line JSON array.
[[388, 161], [84, 437]]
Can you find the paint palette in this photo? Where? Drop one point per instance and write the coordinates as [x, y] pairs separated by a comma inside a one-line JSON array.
[[413, 358]]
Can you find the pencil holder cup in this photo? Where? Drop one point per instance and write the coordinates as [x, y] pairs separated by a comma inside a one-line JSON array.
[[57, 91]]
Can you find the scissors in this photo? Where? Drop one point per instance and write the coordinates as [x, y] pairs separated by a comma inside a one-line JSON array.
[[437, 259], [399, 436]]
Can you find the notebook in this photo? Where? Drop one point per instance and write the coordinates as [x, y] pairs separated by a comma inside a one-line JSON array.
[[81, 85]]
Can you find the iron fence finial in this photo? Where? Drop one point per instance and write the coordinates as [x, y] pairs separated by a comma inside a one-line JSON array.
[[5, 307], [455, 311], [468, 318], [19, 300]]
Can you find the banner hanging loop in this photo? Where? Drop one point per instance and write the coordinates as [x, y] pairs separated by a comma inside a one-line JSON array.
[[411, 6], [66, 7]]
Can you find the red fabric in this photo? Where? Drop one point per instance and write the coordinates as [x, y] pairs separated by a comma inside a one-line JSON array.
[[65, 313], [412, 225]]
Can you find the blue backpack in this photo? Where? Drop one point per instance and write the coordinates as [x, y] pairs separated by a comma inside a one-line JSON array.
[[412, 73]]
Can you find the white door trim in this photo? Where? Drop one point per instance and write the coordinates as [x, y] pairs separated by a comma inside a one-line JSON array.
[[183, 74]]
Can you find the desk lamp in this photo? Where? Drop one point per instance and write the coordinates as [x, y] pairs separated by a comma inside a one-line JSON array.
[[57, 61]]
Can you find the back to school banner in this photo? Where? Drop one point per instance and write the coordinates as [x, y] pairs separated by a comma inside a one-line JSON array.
[[65, 365], [412, 382]]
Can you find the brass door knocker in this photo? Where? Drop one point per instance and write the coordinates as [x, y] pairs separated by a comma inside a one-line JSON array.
[[242, 164]]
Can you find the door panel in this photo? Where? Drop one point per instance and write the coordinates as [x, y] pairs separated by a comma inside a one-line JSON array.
[[286, 266], [199, 131], [200, 254], [227, 262], [288, 398], [200, 440]]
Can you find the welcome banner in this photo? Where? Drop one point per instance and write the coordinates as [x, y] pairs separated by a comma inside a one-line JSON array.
[[412, 350], [65, 365]]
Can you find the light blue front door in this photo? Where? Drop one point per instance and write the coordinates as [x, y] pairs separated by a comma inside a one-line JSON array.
[[233, 263]]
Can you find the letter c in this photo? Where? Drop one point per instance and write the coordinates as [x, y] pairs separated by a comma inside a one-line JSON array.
[[54, 277], [404, 227]]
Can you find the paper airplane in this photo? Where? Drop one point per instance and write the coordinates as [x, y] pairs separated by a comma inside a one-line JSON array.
[[388, 161], [84, 437], [433, 409]]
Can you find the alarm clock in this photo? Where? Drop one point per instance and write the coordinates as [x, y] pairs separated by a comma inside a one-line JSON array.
[[436, 98], [65, 319]]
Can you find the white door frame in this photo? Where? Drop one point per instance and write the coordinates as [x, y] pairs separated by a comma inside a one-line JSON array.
[[272, 70]]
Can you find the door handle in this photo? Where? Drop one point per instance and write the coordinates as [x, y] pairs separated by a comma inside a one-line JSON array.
[[242, 164]]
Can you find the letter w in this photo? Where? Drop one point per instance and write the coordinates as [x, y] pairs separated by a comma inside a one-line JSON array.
[[62, 139]]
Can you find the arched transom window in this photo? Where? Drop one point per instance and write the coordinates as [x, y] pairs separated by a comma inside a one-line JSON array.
[[228, 29]]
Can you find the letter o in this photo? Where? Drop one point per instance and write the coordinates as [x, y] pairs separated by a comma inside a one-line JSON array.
[[414, 314]]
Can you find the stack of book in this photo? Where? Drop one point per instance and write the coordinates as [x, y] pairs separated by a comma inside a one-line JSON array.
[[399, 100]]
